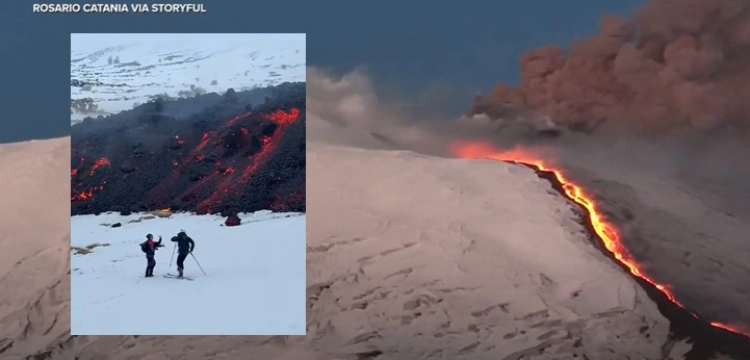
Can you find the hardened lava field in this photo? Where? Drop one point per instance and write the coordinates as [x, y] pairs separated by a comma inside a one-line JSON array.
[[237, 152]]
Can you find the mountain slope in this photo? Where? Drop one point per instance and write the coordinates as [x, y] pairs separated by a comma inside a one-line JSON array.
[[118, 71], [254, 281], [232, 155], [357, 240], [35, 237]]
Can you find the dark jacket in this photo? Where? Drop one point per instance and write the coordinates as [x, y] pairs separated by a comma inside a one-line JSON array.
[[151, 247], [184, 243]]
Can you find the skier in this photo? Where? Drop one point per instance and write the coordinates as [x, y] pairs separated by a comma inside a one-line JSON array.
[[149, 247], [185, 246]]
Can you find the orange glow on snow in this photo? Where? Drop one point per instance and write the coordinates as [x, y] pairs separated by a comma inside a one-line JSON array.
[[605, 231]]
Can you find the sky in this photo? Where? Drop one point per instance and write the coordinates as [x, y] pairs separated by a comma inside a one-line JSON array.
[[407, 48], [89, 42]]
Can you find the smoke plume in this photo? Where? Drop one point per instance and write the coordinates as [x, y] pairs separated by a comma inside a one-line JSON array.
[[676, 67]]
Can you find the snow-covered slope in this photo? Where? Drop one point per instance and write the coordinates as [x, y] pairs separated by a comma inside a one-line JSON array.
[[416, 272], [118, 71], [470, 260], [34, 238], [254, 282]]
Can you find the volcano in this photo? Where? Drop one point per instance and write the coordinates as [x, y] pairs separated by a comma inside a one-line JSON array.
[[209, 154], [708, 337]]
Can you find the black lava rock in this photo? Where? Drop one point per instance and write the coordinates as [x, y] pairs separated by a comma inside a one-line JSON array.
[[233, 220], [206, 154]]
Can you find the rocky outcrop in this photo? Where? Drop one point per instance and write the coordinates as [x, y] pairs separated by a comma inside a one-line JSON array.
[[232, 220]]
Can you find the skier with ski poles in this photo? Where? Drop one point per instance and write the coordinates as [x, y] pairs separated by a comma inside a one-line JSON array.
[[185, 246], [149, 247]]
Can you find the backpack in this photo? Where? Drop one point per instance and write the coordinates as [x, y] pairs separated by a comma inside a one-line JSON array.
[[144, 247]]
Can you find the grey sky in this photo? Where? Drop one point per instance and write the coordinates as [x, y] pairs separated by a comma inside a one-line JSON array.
[[405, 46]]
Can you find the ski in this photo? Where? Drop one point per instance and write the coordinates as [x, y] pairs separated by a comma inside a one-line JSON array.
[[171, 276]]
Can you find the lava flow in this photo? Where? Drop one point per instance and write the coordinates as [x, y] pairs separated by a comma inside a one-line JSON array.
[[605, 231], [208, 154]]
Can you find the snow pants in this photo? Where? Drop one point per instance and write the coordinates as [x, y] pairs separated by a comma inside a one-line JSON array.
[[151, 263], [181, 259]]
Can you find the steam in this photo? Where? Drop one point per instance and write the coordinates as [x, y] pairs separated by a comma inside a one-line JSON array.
[[347, 110], [676, 67], [621, 167], [665, 90]]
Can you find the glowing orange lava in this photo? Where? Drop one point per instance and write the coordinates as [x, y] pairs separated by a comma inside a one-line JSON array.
[[282, 119], [88, 194], [203, 143], [606, 232], [238, 117], [99, 163]]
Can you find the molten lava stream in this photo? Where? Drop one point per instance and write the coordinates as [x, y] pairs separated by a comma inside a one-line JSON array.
[[606, 232], [282, 119]]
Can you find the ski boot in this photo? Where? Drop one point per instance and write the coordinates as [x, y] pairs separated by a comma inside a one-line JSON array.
[[179, 272]]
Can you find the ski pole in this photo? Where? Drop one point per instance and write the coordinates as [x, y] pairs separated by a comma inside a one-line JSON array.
[[199, 264], [174, 249]]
